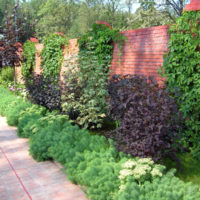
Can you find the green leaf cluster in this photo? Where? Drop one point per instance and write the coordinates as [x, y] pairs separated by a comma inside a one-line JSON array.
[[28, 118], [86, 83], [182, 71], [14, 109], [167, 188], [11, 106], [28, 64], [6, 75], [52, 55]]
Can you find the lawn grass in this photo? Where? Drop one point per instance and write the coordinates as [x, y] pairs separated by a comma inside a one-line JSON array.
[[189, 170]]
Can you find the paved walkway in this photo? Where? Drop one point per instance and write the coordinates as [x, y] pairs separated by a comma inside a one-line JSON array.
[[22, 178]]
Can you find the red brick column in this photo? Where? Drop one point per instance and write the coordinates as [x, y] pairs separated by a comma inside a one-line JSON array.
[[194, 5], [38, 69]]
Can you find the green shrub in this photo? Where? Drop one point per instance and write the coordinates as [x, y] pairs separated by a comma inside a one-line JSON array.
[[6, 75], [11, 106], [149, 119], [86, 85], [89, 160], [141, 170], [28, 118], [43, 135], [14, 109], [167, 188]]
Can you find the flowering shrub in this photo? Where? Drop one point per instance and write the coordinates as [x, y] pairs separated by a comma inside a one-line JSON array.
[[18, 89], [168, 187], [140, 170]]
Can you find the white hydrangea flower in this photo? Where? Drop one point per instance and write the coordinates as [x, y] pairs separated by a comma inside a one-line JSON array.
[[129, 164], [145, 161], [156, 172], [124, 173], [141, 170]]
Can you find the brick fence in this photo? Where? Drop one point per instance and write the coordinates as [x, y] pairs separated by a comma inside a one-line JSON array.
[[142, 52]]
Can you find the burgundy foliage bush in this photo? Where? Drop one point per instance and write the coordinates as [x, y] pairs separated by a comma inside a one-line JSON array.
[[149, 118], [45, 91]]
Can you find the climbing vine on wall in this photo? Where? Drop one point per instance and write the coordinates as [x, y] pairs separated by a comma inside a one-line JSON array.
[[45, 89], [86, 85], [100, 40], [182, 71], [28, 63], [52, 55]]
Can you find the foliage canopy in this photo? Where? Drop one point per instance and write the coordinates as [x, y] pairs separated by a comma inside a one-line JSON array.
[[181, 69], [86, 84]]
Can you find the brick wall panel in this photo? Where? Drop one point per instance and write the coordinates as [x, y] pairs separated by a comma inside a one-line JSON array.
[[142, 52]]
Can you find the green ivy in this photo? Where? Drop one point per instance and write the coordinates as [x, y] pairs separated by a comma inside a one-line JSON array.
[[100, 40], [28, 63], [52, 55], [87, 84], [182, 70]]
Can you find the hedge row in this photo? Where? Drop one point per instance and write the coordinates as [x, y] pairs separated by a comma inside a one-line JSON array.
[[91, 160]]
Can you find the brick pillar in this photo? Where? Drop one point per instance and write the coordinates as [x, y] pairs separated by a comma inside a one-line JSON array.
[[194, 5]]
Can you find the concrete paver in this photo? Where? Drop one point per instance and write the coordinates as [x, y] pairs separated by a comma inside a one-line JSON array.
[[22, 178]]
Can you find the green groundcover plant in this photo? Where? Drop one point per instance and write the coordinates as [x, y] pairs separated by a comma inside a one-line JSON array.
[[92, 160]]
